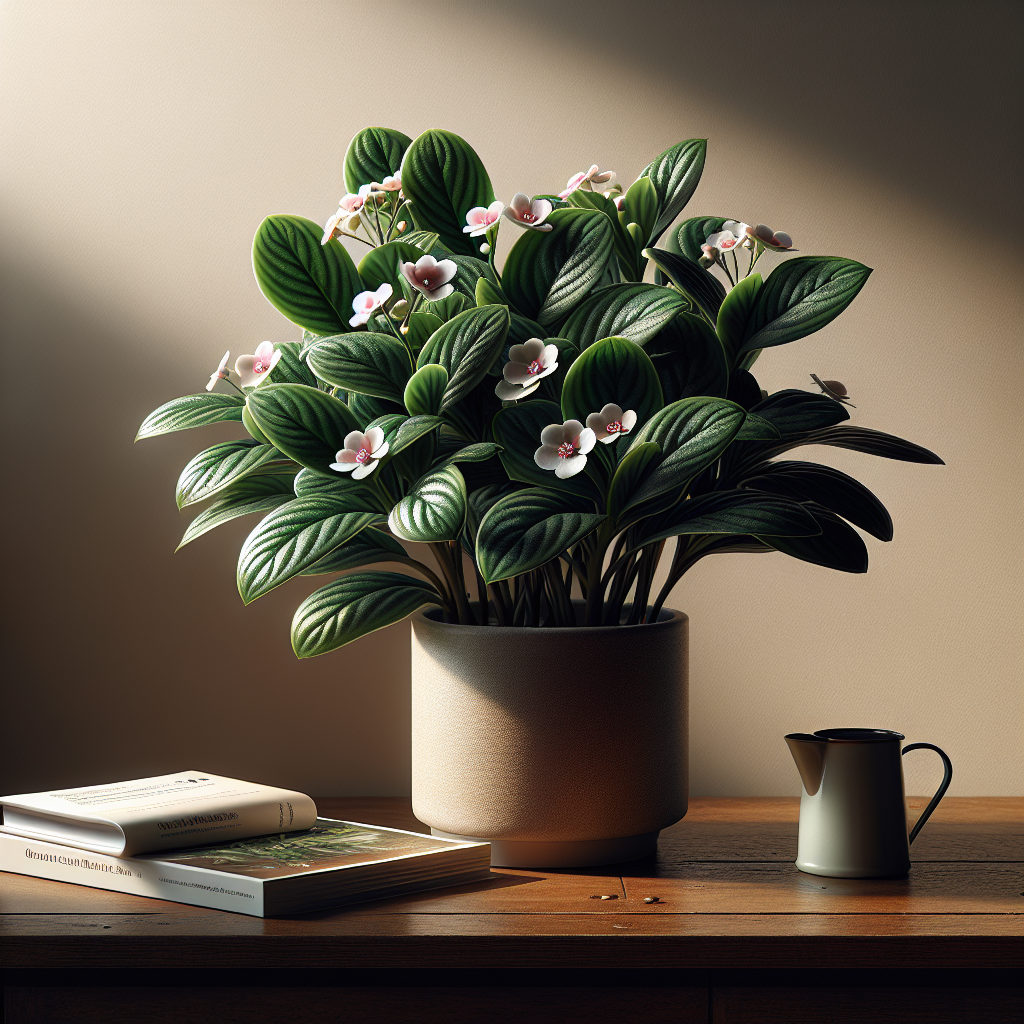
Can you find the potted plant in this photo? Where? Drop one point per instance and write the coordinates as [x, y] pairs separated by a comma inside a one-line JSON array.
[[543, 428]]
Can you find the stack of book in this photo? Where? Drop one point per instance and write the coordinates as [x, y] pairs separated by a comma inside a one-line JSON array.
[[197, 838]]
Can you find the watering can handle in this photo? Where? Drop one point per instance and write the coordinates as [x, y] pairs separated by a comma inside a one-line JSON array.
[[947, 777]]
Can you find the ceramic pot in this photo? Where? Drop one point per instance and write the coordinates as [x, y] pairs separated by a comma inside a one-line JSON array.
[[560, 747]]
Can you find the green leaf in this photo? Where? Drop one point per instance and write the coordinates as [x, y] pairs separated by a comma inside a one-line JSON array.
[[444, 179], [528, 528], [634, 311], [613, 370], [757, 428], [691, 433], [291, 368], [692, 234], [215, 468], [640, 206], [380, 265], [794, 411], [731, 512], [367, 407], [306, 424], [689, 359], [411, 430], [480, 502], [354, 605], [481, 451], [838, 546], [313, 285], [800, 297], [839, 493], [425, 241], [691, 279], [735, 314], [421, 327], [489, 294], [517, 429], [425, 390], [466, 346], [451, 306], [191, 411], [365, 548], [254, 493], [628, 476], [372, 154], [297, 535], [370, 364], [873, 442], [676, 174], [310, 484], [433, 510], [622, 241], [548, 273]]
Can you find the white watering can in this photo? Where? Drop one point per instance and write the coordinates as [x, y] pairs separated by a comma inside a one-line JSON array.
[[853, 814]]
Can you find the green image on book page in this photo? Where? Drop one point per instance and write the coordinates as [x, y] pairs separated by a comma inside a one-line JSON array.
[[325, 845]]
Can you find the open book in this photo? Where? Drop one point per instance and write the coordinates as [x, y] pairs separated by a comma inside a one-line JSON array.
[[151, 815]]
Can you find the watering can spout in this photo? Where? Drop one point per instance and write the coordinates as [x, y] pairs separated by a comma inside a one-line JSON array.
[[809, 753]]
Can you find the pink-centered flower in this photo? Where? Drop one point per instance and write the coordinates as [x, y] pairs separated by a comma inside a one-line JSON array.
[[778, 241], [564, 448], [527, 213], [366, 302], [221, 373], [252, 369], [528, 364], [611, 423], [583, 180], [430, 277], [341, 223], [480, 218], [730, 237], [391, 183], [361, 453], [352, 202]]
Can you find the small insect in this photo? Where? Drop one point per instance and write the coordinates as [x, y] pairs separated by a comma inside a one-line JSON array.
[[651, 899], [834, 389]]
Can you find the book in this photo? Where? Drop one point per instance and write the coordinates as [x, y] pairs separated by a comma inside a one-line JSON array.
[[331, 864], [161, 813]]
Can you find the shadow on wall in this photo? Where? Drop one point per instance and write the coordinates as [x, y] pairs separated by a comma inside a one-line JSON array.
[[880, 86], [88, 669]]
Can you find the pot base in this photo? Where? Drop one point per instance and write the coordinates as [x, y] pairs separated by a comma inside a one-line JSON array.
[[515, 853]]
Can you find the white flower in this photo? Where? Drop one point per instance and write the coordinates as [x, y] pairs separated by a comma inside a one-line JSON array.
[[430, 277], [611, 423], [340, 224], [352, 202], [391, 183], [564, 448], [252, 369], [221, 373], [730, 237], [361, 453], [778, 241], [480, 218], [366, 302], [528, 364], [529, 214], [584, 178]]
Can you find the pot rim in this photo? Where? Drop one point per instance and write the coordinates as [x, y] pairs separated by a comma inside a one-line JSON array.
[[667, 618]]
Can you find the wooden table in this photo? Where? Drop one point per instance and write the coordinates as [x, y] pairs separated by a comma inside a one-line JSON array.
[[737, 934]]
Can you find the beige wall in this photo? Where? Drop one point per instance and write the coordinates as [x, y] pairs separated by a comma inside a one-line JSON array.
[[142, 143]]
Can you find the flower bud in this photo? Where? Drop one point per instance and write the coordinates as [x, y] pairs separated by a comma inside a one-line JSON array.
[[485, 248], [399, 310]]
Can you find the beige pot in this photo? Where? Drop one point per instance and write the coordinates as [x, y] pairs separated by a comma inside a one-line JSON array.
[[560, 747]]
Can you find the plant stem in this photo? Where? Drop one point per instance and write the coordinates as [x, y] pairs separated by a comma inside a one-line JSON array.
[[499, 604], [466, 615], [430, 575], [595, 585]]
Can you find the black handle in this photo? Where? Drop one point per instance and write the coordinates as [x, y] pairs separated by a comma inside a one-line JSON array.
[[947, 778]]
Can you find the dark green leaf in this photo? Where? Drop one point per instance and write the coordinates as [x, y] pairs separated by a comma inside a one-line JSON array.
[[692, 234], [839, 493], [380, 265], [411, 430], [308, 425], [370, 364], [255, 493], [433, 510], [313, 285], [676, 174], [735, 314], [614, 370], [447, 308], [481, 451], [425, 390], [634, 311], [365, 548], [547, 274], [367, 407], [756, 428], [444, 179], [466, 346], [874, 442], [691, 279], [297, 535], [191, 411], [689, 359], [838, 546], [800, 297], [628, 476], [795, 411], [528, 528], [372, 154], [640, 206], [311, 484], [215, 468], [421, 327], [291, 368], [423, 240]]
